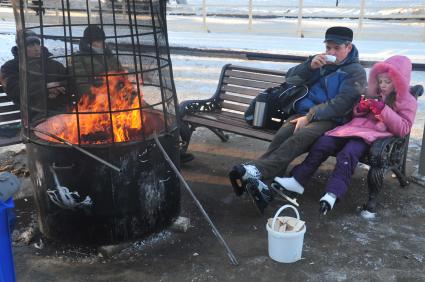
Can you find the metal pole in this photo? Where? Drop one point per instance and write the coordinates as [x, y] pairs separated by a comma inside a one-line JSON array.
[[198, 204], [300, 16], [78, 148], [89, 9], [419, 175], [250, 16], [421, 169]]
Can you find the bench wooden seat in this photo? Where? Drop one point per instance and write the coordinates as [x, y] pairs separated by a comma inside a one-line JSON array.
[[237, 86]]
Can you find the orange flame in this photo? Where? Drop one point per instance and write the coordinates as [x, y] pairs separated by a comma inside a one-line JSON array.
[[96, 112]]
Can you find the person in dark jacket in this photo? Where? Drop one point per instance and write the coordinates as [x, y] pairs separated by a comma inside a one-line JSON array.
[[43, 80], [335, 80], [93, 60]]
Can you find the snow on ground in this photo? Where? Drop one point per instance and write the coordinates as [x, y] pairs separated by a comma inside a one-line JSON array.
[[311, 8]]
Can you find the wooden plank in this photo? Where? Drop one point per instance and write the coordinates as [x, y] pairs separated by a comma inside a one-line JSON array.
[[234, 98], [240, 90], [9, 117], [10, 141], [250, 132], [4, 99], [231, 115], [231, 119], [8, 108], [256, 70], [249, 83], [256, 76], [234, 107]]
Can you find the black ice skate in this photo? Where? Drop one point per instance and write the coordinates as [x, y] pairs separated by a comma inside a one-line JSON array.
[[259, 194], [240, 174]]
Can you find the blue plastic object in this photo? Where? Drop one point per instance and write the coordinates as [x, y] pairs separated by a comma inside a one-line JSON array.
[[7, 269]]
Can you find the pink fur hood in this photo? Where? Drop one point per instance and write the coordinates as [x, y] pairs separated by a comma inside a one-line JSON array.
[[392, 121]]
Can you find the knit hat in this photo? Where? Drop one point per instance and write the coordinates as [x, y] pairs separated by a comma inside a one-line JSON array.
[[339, 34], [93, 33], [30, 37]]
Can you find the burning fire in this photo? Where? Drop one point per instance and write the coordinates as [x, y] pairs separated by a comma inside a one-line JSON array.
[[96, 113]]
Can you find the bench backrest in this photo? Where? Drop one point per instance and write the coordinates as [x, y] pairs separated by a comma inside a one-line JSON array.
[[9, 112], [10, 116], [238, 86]]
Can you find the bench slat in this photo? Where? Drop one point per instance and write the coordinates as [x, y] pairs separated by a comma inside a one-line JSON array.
[[234, 107], [255, 70], [235, 98], [249, 83], [8, 108], [9, 117], [240, 90], [255, 76], [250, 132], [10, 141], [4, 99]]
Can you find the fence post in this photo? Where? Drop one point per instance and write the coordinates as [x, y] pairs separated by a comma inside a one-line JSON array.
[[423, 37], [57, 12], [300, 16], [204, 14], [250, 16], [419, 175], [361, 17]]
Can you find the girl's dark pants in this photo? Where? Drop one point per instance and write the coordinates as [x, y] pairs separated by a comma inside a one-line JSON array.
[[348, 151]]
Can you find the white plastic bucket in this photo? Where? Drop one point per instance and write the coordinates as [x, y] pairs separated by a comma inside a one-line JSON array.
[[285, 246]]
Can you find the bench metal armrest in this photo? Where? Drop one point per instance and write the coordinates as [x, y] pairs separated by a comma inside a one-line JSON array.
[[387, 152], [205, 105]]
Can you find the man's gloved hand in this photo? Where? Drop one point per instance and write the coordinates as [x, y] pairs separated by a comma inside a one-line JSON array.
[[376, 106], [363, 106]]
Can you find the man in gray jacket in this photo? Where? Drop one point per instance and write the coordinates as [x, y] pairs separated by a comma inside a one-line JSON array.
[[335, 80]]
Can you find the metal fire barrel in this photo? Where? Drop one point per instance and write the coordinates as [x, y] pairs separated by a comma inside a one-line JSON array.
[[104, 206], [96, 77]]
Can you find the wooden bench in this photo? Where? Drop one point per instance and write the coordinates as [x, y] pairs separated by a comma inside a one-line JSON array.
[[237, 86], [10, 118]]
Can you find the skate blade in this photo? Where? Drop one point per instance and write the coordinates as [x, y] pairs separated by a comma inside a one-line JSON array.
[[253, 200], [285, 197]]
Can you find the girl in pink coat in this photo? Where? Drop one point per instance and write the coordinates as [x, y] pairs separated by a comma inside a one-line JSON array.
[[391, 113]]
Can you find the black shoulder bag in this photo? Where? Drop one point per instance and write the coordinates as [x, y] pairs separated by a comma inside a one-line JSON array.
[[279, 102]]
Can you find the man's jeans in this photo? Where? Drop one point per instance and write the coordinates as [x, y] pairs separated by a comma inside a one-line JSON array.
[[286, 146]]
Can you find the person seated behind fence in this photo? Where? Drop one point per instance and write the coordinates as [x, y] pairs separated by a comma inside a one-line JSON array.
[[334, 89], [93, 60], [391, 113], [51, 79]]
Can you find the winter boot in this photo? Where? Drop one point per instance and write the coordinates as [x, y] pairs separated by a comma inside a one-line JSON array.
[[327, 202], [259, 193], [288, 188], [240, 174]]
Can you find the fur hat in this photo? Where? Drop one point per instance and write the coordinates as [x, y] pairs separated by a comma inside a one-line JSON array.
[[30, 37], [339, 34], [399, 69], [93, 33]]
